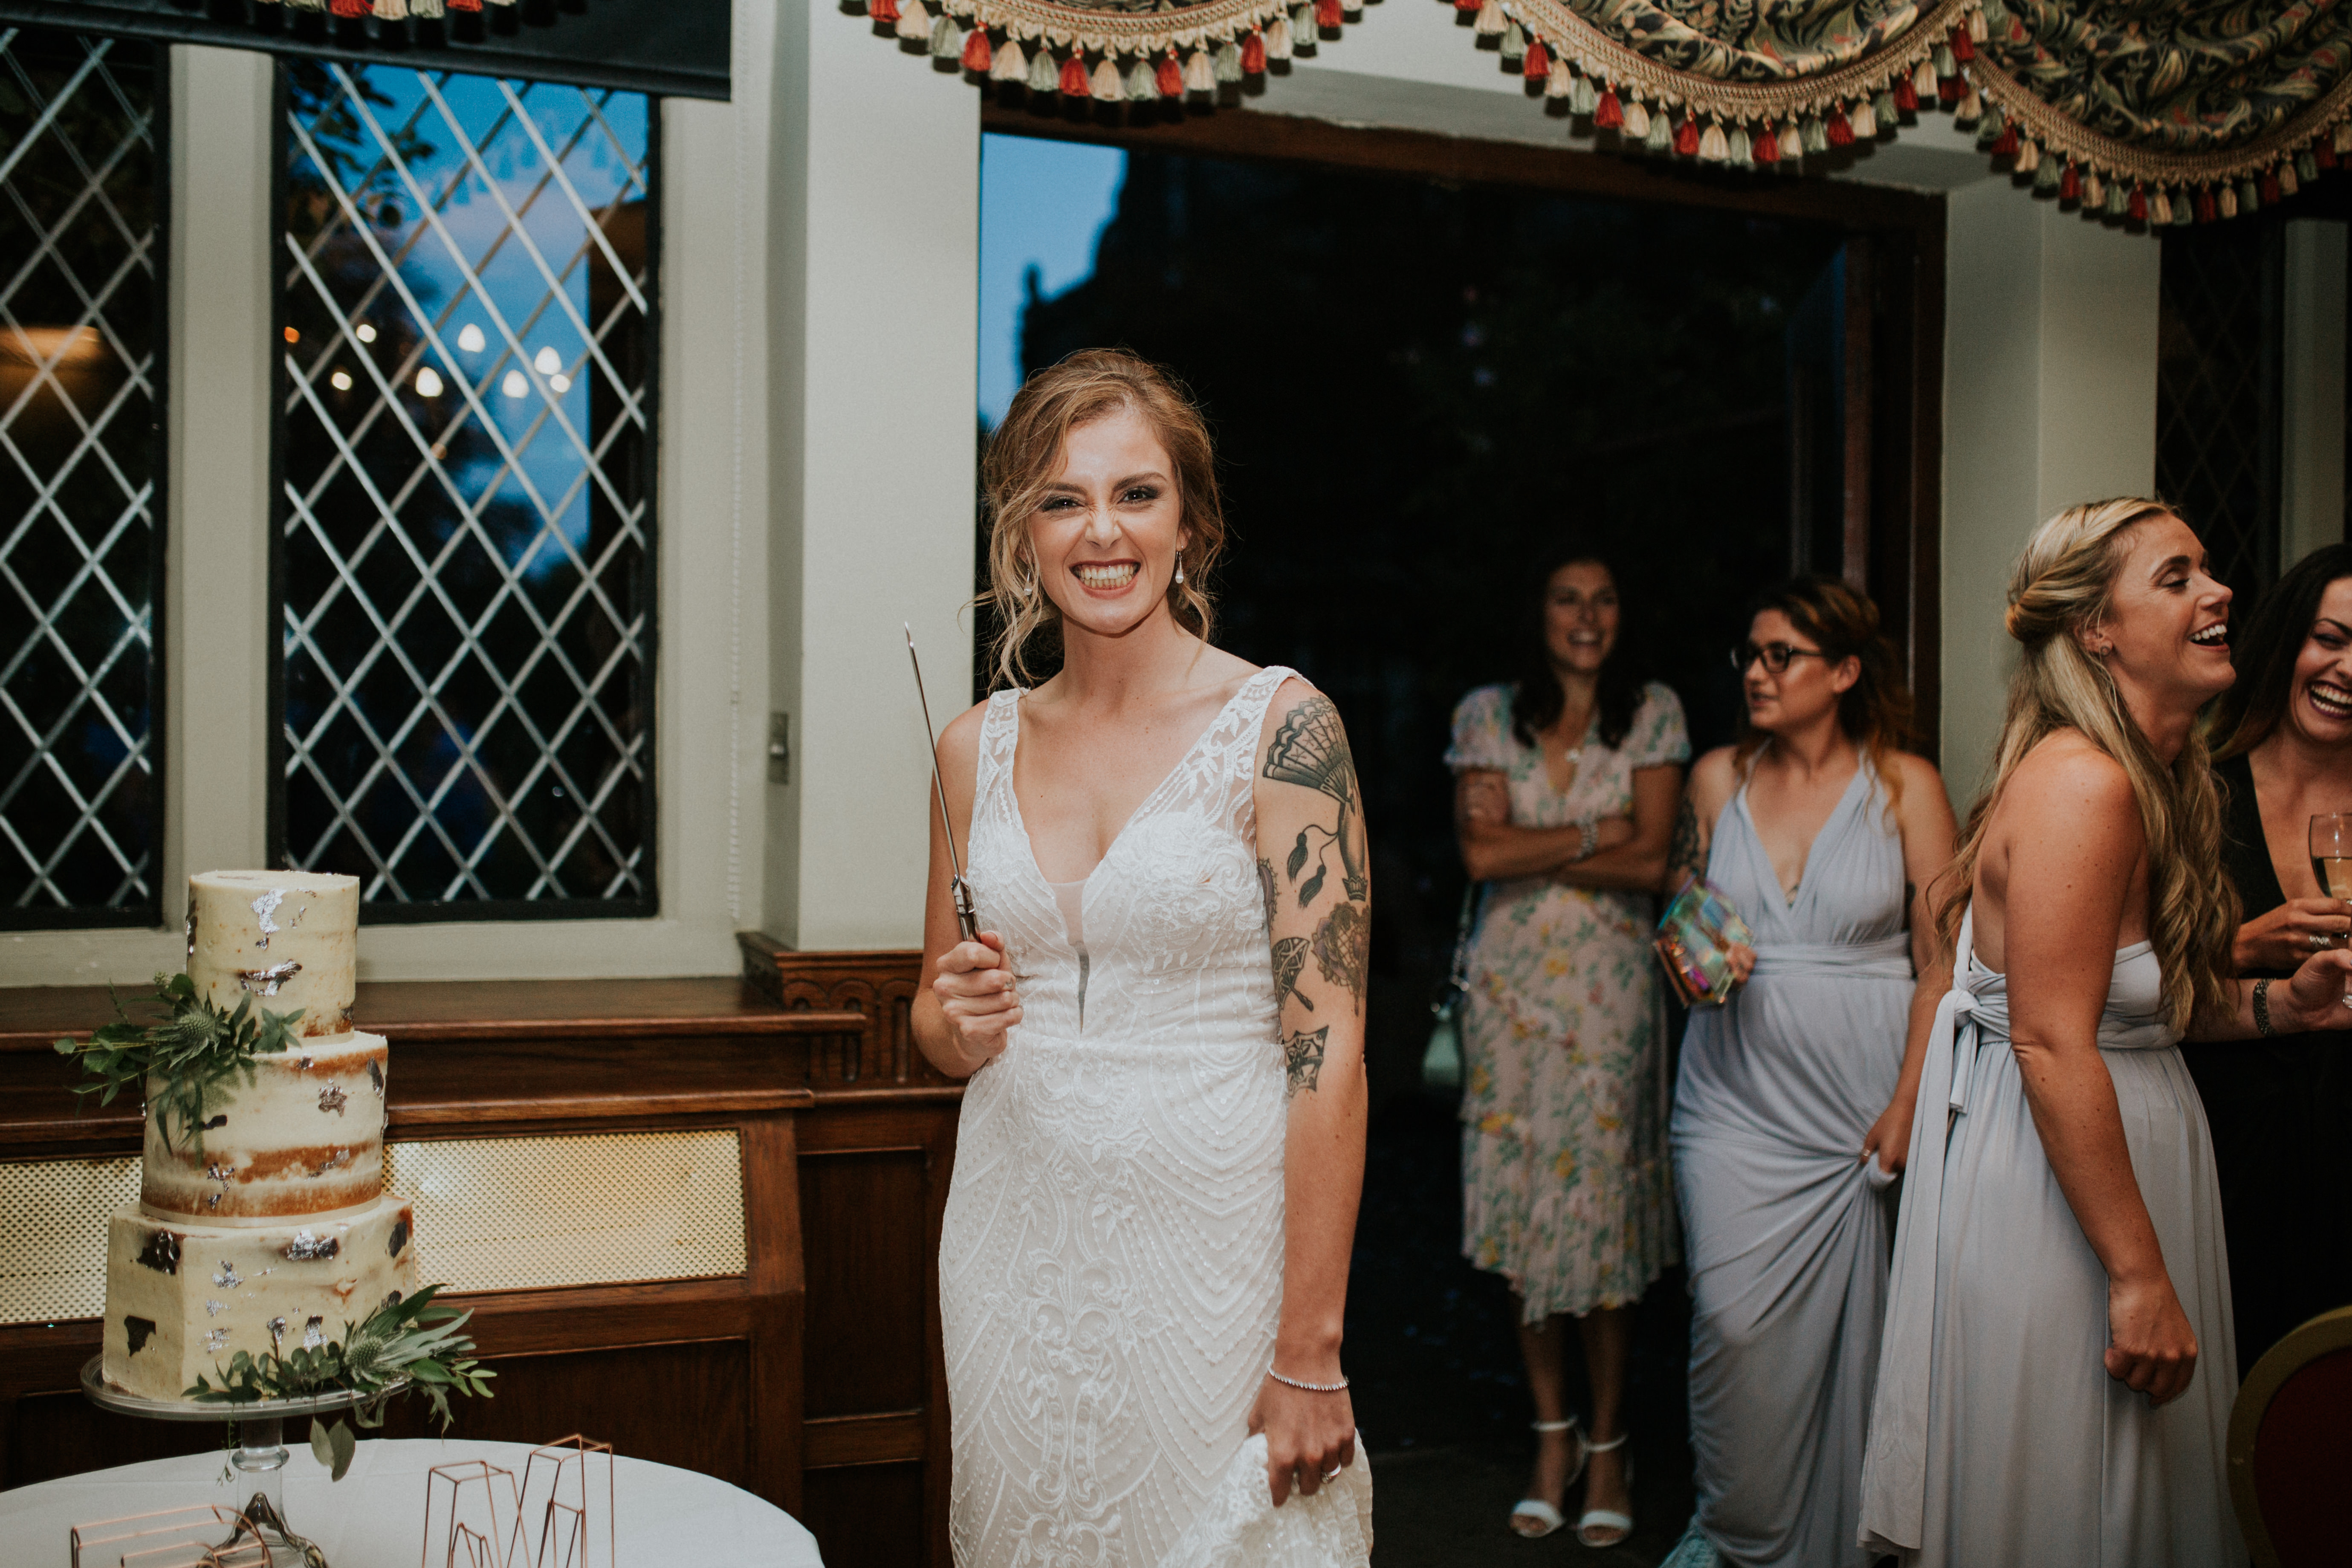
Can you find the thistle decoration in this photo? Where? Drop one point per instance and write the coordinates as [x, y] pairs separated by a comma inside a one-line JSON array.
[[190, 1046], [410, 1341]]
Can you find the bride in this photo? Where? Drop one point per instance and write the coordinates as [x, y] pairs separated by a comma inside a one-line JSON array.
[[1144, 1259]]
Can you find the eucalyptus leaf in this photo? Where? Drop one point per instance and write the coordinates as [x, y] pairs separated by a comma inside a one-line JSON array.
[[188, 1051]]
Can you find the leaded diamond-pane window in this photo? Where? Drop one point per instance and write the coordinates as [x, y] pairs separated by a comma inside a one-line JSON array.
[[2218, 422], [467, 545], [82, 301]]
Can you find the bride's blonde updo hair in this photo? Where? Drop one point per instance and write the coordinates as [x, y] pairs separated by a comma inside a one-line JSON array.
[[2065, 582], [1025, 453]]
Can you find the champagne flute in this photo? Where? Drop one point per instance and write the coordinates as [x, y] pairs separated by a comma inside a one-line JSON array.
[[2331, 858]]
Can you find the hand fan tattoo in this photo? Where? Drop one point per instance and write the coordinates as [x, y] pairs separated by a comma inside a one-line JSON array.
[[1310, 748]]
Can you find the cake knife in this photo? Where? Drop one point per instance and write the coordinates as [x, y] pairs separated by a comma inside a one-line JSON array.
[[967, 918]]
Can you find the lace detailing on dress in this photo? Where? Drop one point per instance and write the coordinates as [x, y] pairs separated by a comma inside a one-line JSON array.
[[1239, 1527], [1110, 1267]]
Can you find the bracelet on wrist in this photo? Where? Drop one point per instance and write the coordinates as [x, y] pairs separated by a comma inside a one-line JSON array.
[[1588, 837], [2262, 1009], [1310, 1387]]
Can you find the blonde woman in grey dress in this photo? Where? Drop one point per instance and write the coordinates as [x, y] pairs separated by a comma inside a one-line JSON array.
[[1793, 1110], [2057, 1375]]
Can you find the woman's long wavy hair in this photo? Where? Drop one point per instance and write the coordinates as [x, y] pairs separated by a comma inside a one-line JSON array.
[[1875, 710], [2063, 583], [2266, 650], [1538, 696], [1025, 454]]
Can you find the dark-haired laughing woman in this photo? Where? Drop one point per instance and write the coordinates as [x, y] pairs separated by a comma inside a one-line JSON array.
[[1566, 786]]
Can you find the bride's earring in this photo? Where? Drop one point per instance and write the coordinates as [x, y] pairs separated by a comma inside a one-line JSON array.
[[1179, 569]]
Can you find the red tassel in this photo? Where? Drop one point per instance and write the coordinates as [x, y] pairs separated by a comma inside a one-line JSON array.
[[1538, 66], [350, 8], [1170, 78], [1074, 76], [2005, 144], [977, 55], [1611, 114], [2070, 184], [1686, 138], [1327, 15], [1948, 91], [1841, 129], [465, 5], [882, 10], [1906, 98], [2323, 152], [2206, 211], [1253, 54], [1468, 4], [1964, 49], [1765, 147], [2137, 210], [2270, 189]]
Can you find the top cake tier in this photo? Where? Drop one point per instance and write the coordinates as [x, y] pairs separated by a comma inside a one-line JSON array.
[[288, 939]]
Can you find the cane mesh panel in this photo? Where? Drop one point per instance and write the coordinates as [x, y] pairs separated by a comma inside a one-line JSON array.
[[53, 1240], [508, 1214]]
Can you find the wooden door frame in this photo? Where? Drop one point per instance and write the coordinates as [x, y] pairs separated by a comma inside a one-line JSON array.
[[1892, 532]]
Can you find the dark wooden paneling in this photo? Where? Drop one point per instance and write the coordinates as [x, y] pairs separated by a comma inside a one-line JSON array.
[[684, 1404], [871, 1516], [862, 1217]]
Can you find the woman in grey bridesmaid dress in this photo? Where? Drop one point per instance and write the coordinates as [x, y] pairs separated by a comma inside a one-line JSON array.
[[2056, 1372], [1792, 1102]]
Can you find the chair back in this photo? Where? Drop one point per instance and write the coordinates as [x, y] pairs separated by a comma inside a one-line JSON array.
[[2290, 1447]]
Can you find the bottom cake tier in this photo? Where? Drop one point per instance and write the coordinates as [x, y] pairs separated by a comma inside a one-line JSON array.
[[181, 1299]]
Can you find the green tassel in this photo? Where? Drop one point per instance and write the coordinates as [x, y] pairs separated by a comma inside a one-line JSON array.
[[2306, 167], [1229, 61], [2046, 175], [2184, 202], [1142, 82], [1045, 75], [1947, 66], [1660, 138], [2249, 199], [1743, 151], [2119, 199], [1988, 129], [1583, 98], [1303, 30], [1883, 106], [1515, 44], [1815, 134], [946, 39]]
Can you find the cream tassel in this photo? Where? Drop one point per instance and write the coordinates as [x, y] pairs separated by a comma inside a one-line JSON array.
[[1010, 64], [915, 23]]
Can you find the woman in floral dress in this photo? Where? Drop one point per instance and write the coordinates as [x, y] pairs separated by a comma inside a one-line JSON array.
[[1567, 784]]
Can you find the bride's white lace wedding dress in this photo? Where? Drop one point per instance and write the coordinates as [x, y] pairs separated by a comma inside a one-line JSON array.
[[1110, 1267]]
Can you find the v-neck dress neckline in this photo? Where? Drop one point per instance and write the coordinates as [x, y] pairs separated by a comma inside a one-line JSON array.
[[1822, 835]]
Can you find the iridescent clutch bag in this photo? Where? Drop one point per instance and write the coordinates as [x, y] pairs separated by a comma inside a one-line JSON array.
[[1695, 941]]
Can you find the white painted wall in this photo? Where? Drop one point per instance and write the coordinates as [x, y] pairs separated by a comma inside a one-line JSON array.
[[875, 283], [2049, 400], [2311, 490]]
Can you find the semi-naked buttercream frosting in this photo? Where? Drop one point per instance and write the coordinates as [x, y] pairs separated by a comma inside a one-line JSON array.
[[288, 939]]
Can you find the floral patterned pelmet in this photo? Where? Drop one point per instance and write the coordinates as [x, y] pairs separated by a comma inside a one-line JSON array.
[[2155, 111]]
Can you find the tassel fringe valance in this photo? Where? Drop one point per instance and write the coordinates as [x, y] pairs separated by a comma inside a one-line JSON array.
[[2200, 113], [1109, 52]]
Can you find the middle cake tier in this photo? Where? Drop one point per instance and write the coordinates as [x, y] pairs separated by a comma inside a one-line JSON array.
[[304, 1136]]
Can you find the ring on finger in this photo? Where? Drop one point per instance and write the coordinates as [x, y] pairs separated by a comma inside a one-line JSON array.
[[2321, 941]]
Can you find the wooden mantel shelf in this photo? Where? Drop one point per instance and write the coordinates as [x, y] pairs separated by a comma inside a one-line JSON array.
[[470, 1053]]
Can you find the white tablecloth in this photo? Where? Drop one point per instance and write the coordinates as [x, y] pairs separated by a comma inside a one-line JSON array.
[[374, 1517]]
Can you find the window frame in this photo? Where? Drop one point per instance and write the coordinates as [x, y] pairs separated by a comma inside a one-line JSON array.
[[648, 905], [148, 912]]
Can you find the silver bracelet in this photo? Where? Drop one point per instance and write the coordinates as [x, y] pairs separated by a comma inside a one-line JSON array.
[[1310, 1387], [2262, 1009], [1588, 837]]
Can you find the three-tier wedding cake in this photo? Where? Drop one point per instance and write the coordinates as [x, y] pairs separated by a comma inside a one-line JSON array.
[[264, 1227]]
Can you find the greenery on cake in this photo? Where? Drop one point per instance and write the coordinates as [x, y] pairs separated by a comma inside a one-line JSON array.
[[408, 1343], [189, 1046]]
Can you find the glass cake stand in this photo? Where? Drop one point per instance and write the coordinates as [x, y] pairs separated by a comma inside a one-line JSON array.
[[261, 1452]]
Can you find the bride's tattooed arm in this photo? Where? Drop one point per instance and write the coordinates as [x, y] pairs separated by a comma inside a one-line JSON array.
[[1315, 871]]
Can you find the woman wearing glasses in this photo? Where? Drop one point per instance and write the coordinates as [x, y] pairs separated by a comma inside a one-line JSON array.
[[1792, 1112], [1565, 797], [2278, 1108]]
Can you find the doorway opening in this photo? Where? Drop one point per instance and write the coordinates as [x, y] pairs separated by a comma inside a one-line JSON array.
[[1423, 361]]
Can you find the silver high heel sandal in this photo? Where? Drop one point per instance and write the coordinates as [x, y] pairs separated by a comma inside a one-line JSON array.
[[1593, 1519], [1547, 1517]]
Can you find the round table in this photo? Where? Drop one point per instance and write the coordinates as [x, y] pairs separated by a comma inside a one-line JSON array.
[[374, 1517]]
